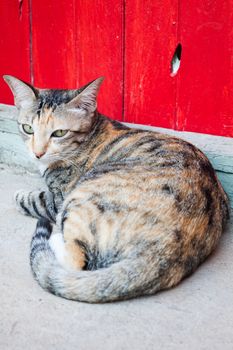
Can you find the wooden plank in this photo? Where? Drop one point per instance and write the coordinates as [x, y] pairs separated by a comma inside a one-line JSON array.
[[151, 38], [8, 126], [14, 43], [205, 91], [226, 180], [76, 42], [218, 149], [99, 45], [53, 44]]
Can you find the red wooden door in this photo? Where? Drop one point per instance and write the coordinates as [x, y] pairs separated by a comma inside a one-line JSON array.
[[131, 43]]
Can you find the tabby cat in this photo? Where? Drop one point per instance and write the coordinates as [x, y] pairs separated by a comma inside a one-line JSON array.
[[132, 212]]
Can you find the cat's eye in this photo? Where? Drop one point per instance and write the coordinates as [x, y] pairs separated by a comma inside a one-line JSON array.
[[59, 133], [27, 129]]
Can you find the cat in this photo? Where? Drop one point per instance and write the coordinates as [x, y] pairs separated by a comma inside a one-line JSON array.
[[132, 211]]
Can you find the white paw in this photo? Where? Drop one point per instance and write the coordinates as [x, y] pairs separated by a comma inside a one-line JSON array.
[[57, 245]]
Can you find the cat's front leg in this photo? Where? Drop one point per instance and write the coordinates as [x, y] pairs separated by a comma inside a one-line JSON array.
[[38, 204]]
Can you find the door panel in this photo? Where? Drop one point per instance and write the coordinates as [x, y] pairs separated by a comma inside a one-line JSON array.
[[150, 41], [205, 85], [76, 42], [14, 44]]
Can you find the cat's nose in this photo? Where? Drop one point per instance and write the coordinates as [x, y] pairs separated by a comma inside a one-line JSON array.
[[39, 155]]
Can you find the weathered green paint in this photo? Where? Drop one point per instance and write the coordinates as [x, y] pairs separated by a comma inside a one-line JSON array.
[[218, 149], [13, 151], [227, 182], [8, 125]]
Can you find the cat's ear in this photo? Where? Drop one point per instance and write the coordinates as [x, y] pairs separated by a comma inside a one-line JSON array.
[[86, 100], [24, 94]]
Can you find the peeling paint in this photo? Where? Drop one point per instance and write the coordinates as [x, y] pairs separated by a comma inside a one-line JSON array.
[[20, 9]]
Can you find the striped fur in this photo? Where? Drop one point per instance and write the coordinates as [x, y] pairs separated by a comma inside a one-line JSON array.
[[39, 204], [133, 211]]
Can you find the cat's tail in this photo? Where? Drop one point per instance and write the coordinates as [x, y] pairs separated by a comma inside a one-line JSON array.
[[122, 280]]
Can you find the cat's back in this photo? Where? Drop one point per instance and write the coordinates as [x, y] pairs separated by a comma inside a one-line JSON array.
[[180, 170], [129, 149], [147, 187], [158, 171]]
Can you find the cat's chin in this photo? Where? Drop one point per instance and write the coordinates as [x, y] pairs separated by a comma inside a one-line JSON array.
[[42, 164], [42, 167]]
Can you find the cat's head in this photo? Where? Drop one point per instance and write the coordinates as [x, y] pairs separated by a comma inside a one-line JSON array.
[[54, 122]]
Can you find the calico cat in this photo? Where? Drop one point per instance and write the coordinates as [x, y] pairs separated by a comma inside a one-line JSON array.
[[132, 212]]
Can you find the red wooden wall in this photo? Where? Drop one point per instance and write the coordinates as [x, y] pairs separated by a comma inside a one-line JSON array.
[[66, 43]]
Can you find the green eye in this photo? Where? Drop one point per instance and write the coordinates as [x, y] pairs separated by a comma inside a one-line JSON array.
[[28, 129], [59, 133]]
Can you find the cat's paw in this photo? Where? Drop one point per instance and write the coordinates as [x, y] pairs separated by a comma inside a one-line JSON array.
[[21, 200]]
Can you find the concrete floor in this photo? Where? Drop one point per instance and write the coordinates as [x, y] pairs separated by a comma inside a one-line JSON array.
[[198, 314]]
